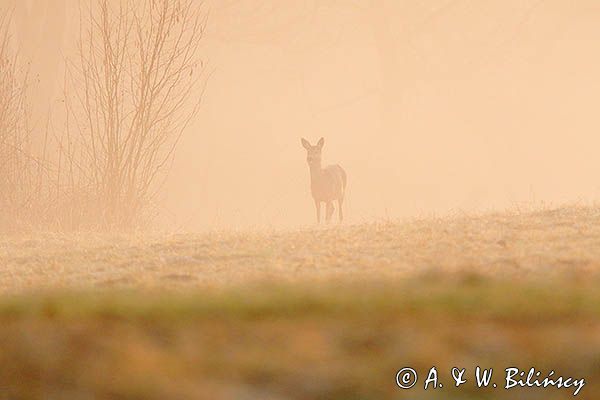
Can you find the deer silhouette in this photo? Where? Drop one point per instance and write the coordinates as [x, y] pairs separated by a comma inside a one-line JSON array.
[[326, 184]]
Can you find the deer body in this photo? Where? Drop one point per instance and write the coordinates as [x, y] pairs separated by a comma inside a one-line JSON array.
[[326, 184]]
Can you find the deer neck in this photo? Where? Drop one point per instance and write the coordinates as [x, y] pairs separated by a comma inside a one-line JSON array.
[[315, 171]]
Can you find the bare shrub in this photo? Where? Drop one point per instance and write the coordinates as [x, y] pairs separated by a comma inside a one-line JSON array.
[[129, 96], [17, 177]]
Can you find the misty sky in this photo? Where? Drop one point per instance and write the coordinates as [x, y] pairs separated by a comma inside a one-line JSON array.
[[432, 107]]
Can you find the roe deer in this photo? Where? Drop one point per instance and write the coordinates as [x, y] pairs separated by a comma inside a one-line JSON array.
[[326, 184]]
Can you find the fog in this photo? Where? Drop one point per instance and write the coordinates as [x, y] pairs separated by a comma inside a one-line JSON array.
[[432, 107]]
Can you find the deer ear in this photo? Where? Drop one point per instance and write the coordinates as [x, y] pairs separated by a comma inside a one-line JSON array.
[[321, 142], [305, 143]]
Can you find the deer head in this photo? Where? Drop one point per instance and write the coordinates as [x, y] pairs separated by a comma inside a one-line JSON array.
[[313, 153]]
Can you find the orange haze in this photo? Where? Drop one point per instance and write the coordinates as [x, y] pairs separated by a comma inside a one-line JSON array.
[[430, 106]]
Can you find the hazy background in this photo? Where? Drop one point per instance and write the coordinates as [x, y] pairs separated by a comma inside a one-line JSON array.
[[430, 106]]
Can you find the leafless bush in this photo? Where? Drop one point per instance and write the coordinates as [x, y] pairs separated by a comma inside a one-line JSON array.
[[129, 96], [17, 172]]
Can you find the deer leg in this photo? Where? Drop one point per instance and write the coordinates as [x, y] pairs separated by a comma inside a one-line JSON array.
[[318, 207], [340, 212], [329, 210]]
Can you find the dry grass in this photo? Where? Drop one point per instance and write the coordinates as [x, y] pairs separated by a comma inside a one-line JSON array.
[[534, 245], [314, 314]]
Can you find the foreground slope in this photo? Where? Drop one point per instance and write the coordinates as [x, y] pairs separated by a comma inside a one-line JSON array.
[[327, 313], [325, 341]]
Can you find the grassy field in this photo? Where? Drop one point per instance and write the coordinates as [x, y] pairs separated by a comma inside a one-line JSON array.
[[327, 313]]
